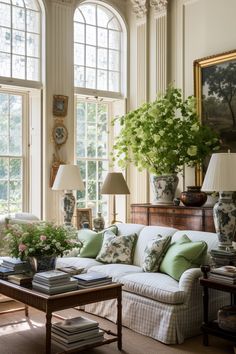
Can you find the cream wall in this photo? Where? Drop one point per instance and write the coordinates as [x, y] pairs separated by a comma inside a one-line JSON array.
[[163, 42]]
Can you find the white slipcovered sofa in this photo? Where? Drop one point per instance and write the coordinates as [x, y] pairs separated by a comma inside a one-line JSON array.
[[155, 304]]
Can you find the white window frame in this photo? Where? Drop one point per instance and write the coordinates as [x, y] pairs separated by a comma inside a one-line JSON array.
[[123, 59], [24, 82], [25, 145]]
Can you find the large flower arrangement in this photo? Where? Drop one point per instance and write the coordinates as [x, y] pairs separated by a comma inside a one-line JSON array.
[[163, 135], [39, 239]]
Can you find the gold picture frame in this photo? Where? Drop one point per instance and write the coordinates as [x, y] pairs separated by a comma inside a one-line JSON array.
[[84, 215], [213, 77], [60, 105]]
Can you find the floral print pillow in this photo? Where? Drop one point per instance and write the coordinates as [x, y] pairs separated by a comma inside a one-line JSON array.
[[155, 252], [117, 249]]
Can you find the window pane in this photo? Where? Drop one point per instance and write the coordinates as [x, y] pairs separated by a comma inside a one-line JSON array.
[[4, 168], [33, 45], [15, 191], [90, 56], [102, 80], [92, 190], [78, 17], [79, 54], [5, 40], [91, 112], [102, 170], [102, 37], [80, 148], [114, 81], [18, 66], [82, 167], [18, 3], [102, 58], [114, 24], [5, 15], [5, 67], [79, 32], [18, 18], [79, 76], [3, 191], [114, 39], [114, 60], [90, 78], [32, 4], [89, 13], [33, 69], [91, 35], [18, 43], [33, 21], [103, 16], [92, 170], [15, 169]]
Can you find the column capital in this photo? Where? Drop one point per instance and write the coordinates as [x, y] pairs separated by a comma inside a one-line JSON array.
[[139, 7], [159, 6]]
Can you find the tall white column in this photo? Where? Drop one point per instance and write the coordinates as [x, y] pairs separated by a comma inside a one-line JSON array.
[[59, 82]]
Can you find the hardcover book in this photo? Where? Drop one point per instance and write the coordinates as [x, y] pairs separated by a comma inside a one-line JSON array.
[[76, 324], [229, 271], [90, 277]]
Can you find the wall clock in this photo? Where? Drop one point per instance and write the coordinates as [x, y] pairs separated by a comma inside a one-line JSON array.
[[60, 134]]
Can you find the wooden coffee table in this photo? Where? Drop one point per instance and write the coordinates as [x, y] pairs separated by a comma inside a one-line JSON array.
[[52, 303]]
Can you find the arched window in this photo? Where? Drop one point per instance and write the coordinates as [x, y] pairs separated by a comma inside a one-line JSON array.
[[98, 63], [100, 74], [20, 47]]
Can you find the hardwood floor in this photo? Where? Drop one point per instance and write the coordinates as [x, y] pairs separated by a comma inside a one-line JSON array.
[[21, 336]]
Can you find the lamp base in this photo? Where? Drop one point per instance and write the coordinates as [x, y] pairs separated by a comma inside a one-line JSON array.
[[68, 207], [224, 213]]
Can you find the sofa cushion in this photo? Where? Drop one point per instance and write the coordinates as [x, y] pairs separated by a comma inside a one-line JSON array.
[[78, 262], [146, 234], [155, 252], [116, 270], [156, 286], [182, 255], [92, 241], [117, 249]]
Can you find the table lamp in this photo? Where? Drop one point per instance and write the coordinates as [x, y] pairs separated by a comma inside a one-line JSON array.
[[68, 178], [114, 184], [221, 177]]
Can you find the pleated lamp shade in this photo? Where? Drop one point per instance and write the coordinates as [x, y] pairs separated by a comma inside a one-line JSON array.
[[221, 173]]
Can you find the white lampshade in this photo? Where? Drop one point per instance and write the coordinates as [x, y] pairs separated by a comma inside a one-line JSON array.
[[115, 184], [68, 178], [221, 173]]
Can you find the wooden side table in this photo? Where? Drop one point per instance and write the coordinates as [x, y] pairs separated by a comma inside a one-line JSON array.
[[211, 327]]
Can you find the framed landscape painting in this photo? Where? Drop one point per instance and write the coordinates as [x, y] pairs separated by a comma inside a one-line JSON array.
[[215, 91]]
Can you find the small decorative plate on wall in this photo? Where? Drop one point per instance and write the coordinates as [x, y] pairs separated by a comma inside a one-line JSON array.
[[60, 134]]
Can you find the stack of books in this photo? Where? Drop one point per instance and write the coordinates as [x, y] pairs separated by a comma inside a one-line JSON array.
[[12, 266], [221, 257], [54, 282], [76, 332], [91, 279], [224, 274], [21, 279]]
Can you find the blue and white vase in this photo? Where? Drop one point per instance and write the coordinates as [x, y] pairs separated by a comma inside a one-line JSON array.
[[164, 188], [224, 213]]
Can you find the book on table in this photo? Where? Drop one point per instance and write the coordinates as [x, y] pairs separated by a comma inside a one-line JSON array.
[[88, 280], [227, 270], [69, 285], [51, 276], [72, 270], [76, 332], [20, 279], [15, 264]]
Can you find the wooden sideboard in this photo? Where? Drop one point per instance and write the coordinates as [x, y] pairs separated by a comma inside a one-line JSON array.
[[180, 217]]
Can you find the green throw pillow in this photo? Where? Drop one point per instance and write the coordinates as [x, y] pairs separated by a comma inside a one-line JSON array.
[[117, 249], [182, 255], [155, 252], [92, 241]]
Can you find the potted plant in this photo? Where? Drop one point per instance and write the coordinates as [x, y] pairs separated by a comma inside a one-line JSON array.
[[162, 136], [40, 242]]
